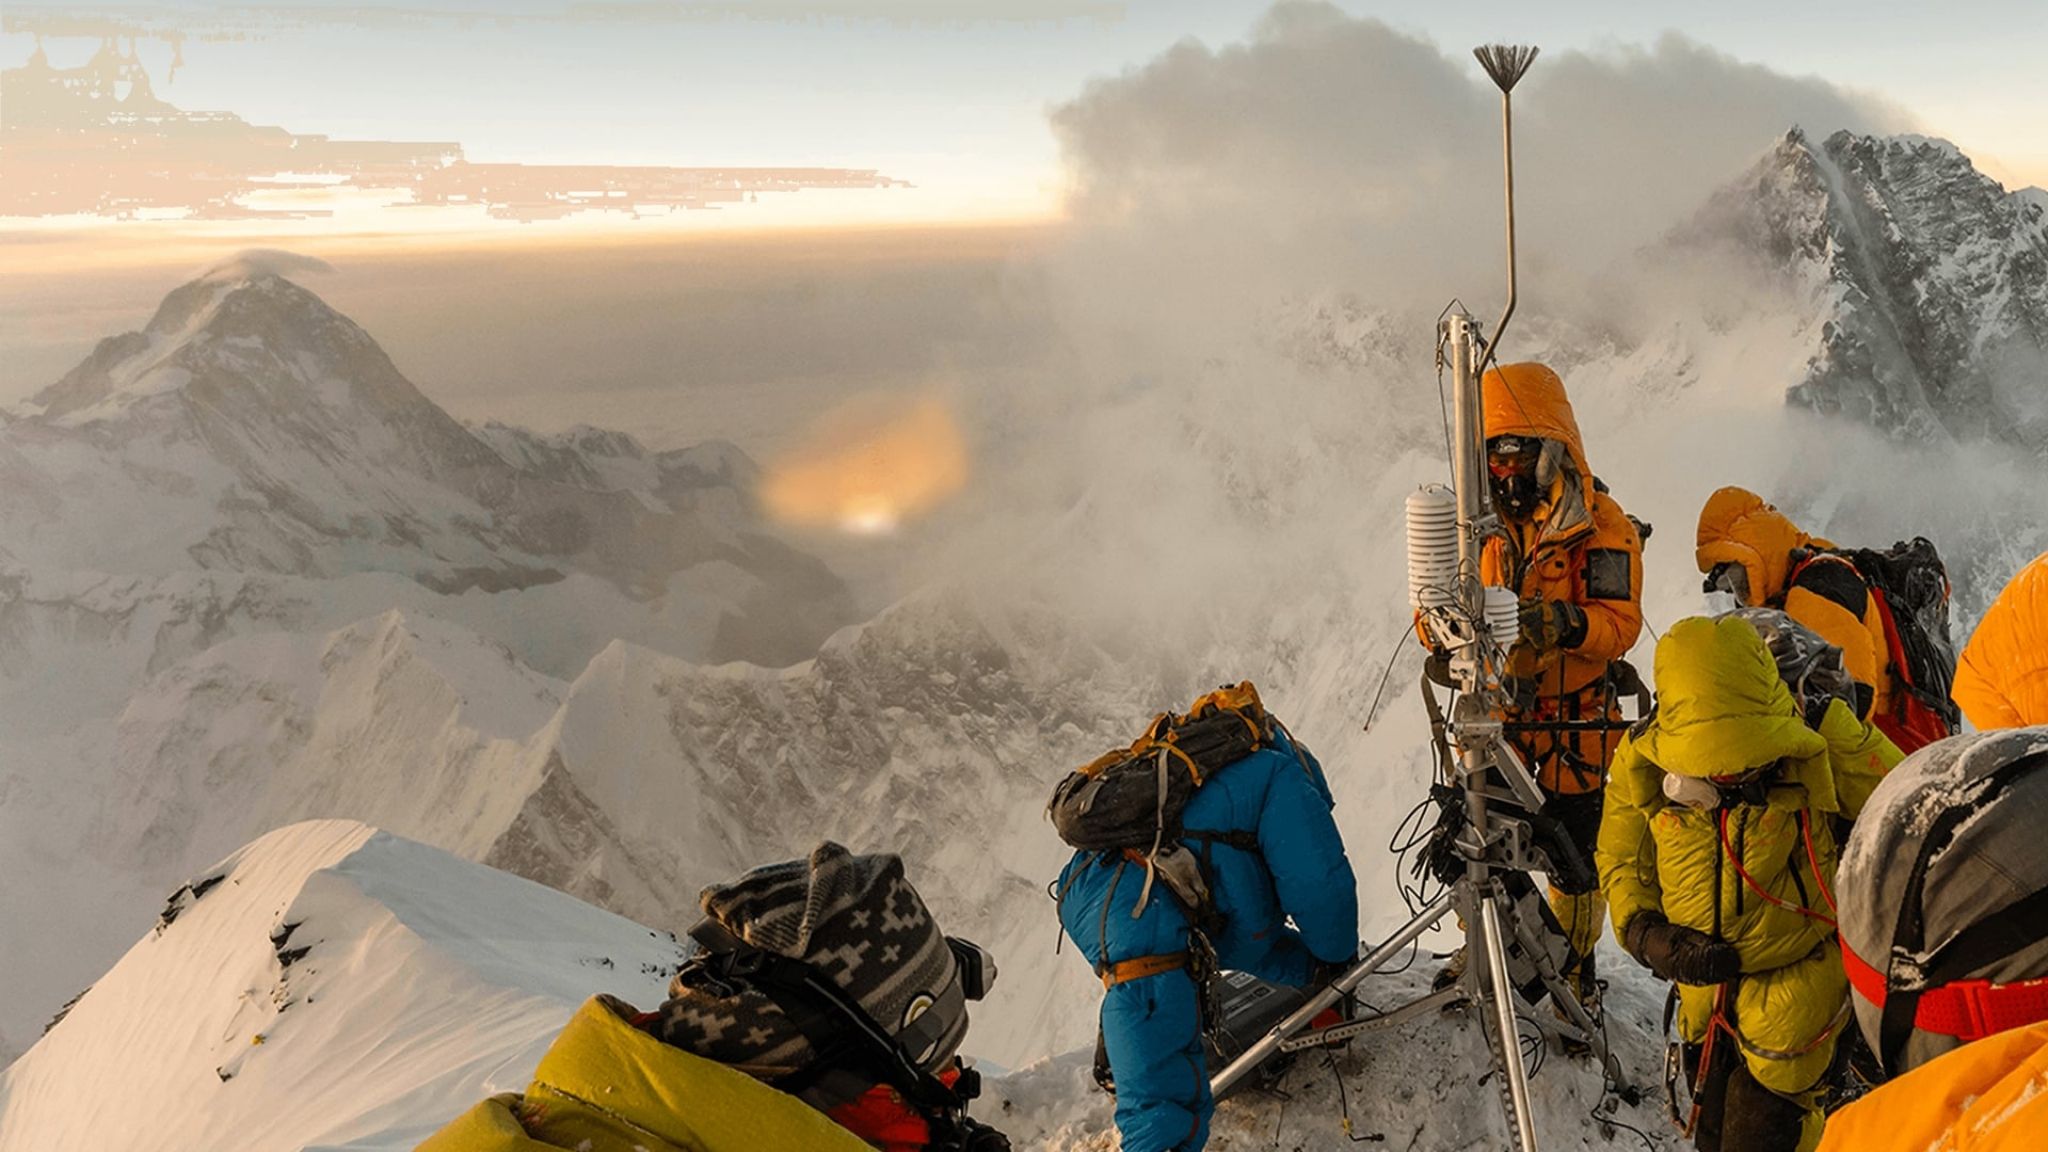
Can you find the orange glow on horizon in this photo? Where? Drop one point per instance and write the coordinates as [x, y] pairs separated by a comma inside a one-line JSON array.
[[80, 243], [870, 465]]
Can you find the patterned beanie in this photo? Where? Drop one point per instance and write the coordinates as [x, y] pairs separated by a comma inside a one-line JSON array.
[[855, 919]]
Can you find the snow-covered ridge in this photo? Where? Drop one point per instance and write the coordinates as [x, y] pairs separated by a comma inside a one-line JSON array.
[[249, 574], [328, 985]]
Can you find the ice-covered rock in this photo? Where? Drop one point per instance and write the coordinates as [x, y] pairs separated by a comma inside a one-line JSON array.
[[1931, 280]]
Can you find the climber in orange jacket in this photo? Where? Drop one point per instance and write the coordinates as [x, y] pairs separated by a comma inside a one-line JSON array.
[[2002, 678], [1574, 559], [1749, 548]]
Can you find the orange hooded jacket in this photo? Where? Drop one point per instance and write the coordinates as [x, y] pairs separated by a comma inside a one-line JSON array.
[[1990, 1095], [1823, 592], [2002, 678], [1579, 547]]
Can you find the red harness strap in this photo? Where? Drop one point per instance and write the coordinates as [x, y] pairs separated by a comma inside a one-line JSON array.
[[1966, 1009]]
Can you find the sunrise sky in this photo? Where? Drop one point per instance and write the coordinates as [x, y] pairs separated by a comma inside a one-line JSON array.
[[967, 109], [950, 97]]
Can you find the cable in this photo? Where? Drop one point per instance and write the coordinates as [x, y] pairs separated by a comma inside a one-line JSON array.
[[1607, 1120], [1373, 712], [1344, 1106], [1533, 1045]]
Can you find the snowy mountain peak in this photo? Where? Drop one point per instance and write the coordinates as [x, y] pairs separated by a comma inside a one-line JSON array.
[[1931, 280], [218, 336], [250, 427]]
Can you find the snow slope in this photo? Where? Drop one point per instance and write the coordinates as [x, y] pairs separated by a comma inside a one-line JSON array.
[[331, 986], [326, 986], [1932, 280], [207, 522]]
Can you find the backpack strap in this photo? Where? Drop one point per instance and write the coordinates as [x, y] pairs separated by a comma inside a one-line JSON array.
[[1240, 839], [1139, 967], [1910, 975]]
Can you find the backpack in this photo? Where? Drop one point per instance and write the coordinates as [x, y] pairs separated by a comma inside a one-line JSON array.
[[1131, 799], [1129, 802], [1810, 666], [1912, 593]]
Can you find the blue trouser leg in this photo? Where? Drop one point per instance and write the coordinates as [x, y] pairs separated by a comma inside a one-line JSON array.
[[1153, 1031]]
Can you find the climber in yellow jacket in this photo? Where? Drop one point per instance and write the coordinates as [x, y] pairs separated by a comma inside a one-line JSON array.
[[821, 1011], [607, 1086], [1717, 853], [1575, 561], [2002, 678]]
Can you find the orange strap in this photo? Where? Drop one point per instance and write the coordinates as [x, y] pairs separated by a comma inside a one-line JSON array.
[[1140, 967]]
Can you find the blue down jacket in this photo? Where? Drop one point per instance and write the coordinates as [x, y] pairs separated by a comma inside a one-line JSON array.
[[1151, 1026]]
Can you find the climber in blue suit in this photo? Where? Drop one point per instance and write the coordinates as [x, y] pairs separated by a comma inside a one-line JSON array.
[[1271, 852]]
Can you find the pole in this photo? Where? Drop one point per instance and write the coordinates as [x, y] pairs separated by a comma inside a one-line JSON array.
[[1504, 1018]]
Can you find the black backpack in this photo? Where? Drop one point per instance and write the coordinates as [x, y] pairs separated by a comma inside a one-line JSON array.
[[1131, 799], [1913, 594]]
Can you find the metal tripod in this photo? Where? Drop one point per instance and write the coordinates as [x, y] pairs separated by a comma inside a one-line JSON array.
[[1496, 842]]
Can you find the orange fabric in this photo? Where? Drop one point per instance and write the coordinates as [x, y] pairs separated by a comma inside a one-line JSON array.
[[1137, 968], [1738, 526], [1866, 651], [2002, 678], [1989, 1096], [883, 1118], [1545, 559]]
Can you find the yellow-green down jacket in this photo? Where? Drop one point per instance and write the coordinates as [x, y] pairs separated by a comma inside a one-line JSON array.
[[1721, 711], [606, 1086]]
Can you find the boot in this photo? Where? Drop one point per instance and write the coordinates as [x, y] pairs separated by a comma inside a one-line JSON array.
[[1452, 971], [1582, 916], [1756, 1119]]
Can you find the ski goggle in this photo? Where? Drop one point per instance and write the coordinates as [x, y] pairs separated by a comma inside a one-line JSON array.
[[1512, 456], [1730, 577]]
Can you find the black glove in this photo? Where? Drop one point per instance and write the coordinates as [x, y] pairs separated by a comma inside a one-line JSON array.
[[1324, 971], [1552, 624], [1678, 953]]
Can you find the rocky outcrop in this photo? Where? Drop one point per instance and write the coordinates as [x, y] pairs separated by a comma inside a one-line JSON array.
[[1931, 278]]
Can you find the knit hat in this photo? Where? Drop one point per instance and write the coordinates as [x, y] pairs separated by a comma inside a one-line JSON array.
[[857, 920], [1945, 881]]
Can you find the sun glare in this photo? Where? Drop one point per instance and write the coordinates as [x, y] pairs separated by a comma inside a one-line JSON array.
[[870, 465]]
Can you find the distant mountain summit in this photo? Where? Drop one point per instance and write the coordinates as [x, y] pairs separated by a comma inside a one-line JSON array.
[[249, 427], [1931, 278]]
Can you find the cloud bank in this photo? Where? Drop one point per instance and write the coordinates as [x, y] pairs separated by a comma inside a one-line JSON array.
[[1327, 152]]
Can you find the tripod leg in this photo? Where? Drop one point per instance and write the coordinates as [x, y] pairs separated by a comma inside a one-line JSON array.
[[1567, 1000], [1510, 1044], [1336, 990]]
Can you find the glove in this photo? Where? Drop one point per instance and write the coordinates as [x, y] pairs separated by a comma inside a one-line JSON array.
[[1551, 624], [1681, 954], [1324, 971]]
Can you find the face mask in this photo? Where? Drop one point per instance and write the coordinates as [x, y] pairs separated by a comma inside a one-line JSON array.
[[1719, 603], [1511, 468], [1731, 578], [1515, 495]]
